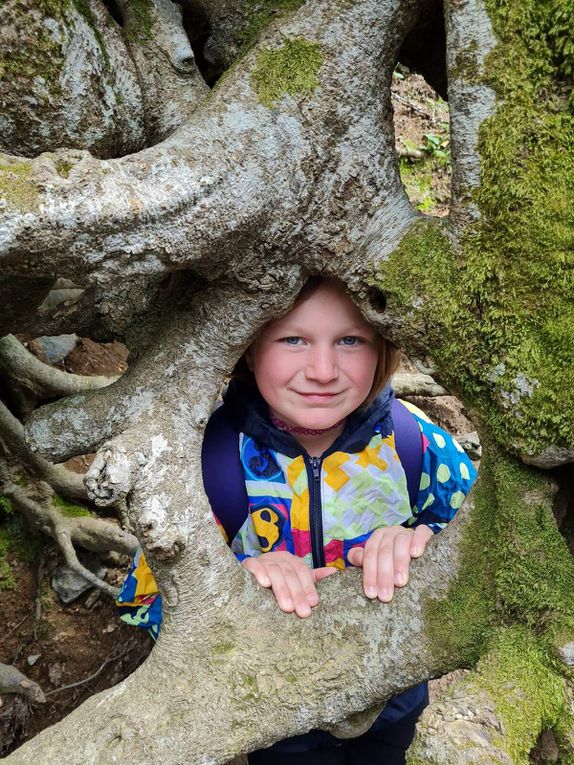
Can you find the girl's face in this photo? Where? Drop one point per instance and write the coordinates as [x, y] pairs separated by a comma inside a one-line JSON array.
[[316, 365]]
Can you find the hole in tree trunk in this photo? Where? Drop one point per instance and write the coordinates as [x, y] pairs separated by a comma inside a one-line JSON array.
[[422, 140], [196, 25], [114, 11]]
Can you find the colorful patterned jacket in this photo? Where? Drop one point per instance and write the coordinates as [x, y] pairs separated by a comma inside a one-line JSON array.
[[319, 508]]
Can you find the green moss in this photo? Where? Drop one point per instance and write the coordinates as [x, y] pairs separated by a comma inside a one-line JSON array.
[[6, 507], [262, 12], [529, 697], [37, 55], [63, 167], [564, 733], [515, 567], [417, 178], [16, 539], [420, 275], [68, 508], [7, 580], [16, 184], [459, 625], [223, 648], [466, 64], [502, 328], [139, 28], [534, 571], [290, 69]]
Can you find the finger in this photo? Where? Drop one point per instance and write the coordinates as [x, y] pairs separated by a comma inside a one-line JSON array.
[[258, 570], [307, 583], [377, 549], [280, 588], [384, 572], [401, 558], [355, 556], [322, 573], [301, 589], [421, 537]]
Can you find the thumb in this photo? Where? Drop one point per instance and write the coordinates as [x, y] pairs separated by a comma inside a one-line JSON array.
[[355, 556]]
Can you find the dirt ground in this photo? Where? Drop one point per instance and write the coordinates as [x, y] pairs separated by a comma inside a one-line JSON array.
[[77, 650]]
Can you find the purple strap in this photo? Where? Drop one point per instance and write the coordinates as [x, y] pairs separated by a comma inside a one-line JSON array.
[[224, 480], [409, 446], [223, 477]]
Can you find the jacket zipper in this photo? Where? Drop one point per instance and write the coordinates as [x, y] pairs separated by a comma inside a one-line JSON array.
[[316, 512]]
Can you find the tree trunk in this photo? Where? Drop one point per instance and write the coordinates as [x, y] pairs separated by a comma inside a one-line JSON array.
[[188, 246]]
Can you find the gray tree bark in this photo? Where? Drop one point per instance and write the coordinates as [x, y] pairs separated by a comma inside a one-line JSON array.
[[187, 245]]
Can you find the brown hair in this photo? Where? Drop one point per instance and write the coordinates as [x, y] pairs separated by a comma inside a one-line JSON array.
[[387, 363]]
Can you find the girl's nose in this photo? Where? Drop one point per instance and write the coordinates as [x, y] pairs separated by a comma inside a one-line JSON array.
[[322, 365]]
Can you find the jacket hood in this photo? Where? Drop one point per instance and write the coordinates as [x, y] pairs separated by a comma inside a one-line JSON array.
[[248, 413]]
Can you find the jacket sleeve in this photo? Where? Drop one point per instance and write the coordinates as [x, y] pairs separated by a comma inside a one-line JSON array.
[[447, 475], [139, 601]]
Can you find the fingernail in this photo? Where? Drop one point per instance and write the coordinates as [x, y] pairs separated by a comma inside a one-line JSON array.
[[265, 581], [400, 579], [386, 595], [416, 552], [371, 592], [313, 600]]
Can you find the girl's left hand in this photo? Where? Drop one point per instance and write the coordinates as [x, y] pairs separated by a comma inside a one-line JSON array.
[[386, 558]]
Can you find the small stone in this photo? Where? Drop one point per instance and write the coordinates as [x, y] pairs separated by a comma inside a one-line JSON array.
[[33, 658], [55, 674], [471, 445], [69, 585], [110, 628], [56, 348], [567, 654]]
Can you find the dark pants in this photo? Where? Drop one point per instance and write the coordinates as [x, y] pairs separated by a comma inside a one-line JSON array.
[[378, 746]]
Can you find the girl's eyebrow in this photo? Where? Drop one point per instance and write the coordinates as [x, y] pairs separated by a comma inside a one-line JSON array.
[[288, 329]]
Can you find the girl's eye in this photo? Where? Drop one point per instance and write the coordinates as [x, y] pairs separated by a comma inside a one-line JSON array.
[[350, 340], [291, 340]]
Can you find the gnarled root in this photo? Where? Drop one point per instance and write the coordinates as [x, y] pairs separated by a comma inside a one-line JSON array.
[[94, 534]]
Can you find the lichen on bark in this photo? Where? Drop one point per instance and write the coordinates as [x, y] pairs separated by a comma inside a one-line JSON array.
[[291, 69]]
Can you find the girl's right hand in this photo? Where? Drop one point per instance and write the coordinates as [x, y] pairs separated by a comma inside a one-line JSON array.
[[292, 581]]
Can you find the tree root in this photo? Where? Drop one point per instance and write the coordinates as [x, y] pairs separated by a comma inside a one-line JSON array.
[[13, 681], [83, 423], [13, 447], [405, 384], [93, 534], [43, 381], [496, 714]]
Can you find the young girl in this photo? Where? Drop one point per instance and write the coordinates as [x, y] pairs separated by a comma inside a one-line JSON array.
[[325, 489]]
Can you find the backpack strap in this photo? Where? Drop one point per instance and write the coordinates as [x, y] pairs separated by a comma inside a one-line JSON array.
[[409, 446], [223, 477]]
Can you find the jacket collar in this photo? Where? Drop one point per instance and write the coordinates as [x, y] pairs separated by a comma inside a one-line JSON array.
[[248, 413]]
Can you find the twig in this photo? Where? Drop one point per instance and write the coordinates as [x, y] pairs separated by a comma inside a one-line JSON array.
[[38, 599], [15, 627], [403, 152], [90, 677], [414, 107]]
